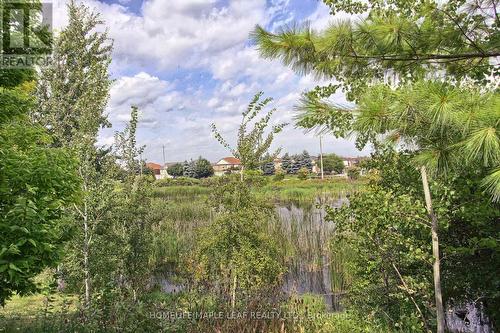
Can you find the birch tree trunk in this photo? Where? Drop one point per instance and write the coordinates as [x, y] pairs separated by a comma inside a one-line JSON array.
[[86, 268], [233, 296], [435, 252]]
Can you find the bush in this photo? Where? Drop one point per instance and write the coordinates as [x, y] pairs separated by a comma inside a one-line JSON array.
[[303, 173], [279, 175], [353, 172], [176, 170]]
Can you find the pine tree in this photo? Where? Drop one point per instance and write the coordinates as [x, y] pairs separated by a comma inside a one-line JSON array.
[[296, 164], [286, 163], [189, 170], [306, 161], [268, 168]]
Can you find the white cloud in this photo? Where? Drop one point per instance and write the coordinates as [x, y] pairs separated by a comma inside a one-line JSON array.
[[199, 35], [150, 94]]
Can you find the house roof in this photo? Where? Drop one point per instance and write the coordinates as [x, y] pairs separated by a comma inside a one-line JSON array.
[[153, 166], [231, 160]]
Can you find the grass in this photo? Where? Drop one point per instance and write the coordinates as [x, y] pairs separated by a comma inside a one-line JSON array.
[[308, 191], [32, 305], [36, 313], [180, 210]]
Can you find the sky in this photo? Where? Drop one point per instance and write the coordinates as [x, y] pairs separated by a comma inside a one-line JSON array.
[[189, 63]]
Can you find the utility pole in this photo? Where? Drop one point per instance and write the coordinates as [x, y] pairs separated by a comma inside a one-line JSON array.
[[164, 161], [321, 156], [140, 161]]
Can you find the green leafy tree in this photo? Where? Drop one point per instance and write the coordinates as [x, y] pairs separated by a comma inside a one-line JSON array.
[[72, 94], [353, 172], [129, 219], [128, 152], [37, 185], [389, 274], [333, 164], [176, 170], [235, 253], [203, 168], [253, 144]]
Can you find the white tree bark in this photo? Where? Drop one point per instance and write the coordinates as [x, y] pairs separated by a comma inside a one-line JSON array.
[[435, 252]]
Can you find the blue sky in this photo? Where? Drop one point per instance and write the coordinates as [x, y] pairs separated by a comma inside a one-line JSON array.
[[188, 63]]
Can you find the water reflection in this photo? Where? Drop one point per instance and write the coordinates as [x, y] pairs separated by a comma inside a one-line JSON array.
[[308, 255]]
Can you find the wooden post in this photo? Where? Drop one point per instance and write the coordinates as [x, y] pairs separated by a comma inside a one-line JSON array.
[[435, 252]]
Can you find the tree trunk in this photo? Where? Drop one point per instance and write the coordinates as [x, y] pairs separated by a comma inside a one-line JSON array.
[[241, 172], [233, 297], [86, 269], [435, 252]]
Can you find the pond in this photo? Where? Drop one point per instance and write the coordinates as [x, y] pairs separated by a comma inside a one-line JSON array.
[[310, 266], [313, 269]]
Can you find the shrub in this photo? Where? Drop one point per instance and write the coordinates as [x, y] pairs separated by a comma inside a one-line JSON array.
[[279, 175], [303, 173], [353, 172]]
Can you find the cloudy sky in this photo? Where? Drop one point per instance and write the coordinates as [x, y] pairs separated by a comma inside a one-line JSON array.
[[188, 63]]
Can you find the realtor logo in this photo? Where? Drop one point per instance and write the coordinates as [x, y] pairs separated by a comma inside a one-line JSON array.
[[26, 33]]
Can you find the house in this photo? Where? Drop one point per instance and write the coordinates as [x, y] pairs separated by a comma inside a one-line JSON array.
[[227, 165], [277, 163], [155, 168], [316, 165], [352, 161]]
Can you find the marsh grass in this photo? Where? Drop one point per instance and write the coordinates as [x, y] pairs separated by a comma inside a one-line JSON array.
[[180, 210]]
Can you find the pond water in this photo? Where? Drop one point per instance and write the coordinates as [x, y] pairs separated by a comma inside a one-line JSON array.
[[313, 270], [309, 260]]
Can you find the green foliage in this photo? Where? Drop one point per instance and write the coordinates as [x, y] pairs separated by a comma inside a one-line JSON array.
[[390, 237], [176, 170], [200, 168], [457, 38], [252, 145], [235, 253], [387, 224], [279, 175], [333, 164], [353, 172], [451, 126], [267, 166], [303, 173], [286, 163], [125, 142], [305, 161], [72, 91], [37, 185], [203, 168]]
